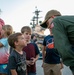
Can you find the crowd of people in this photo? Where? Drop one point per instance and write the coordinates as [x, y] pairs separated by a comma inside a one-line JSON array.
[[18, 55], [19, 51]]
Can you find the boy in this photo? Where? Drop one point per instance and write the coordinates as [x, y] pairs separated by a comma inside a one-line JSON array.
[[32, 51], [17, 58], [51, 57]]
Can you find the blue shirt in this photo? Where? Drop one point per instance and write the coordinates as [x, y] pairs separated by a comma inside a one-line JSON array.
[[52, 56]]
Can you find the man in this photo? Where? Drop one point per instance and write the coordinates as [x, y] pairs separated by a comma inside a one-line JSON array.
[[63, 31]]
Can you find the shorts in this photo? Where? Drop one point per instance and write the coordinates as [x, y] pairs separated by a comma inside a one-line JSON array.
[[3, 69], [52, 69]]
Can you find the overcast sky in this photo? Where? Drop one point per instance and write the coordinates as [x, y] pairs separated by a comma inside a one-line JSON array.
[[19, 13]]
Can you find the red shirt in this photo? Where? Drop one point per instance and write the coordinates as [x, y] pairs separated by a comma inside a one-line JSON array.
[[31, 51]]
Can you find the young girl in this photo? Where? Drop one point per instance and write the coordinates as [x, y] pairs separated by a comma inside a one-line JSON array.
[[4, 48]]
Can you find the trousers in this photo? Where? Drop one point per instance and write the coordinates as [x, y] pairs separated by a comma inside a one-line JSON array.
[[52, 69]]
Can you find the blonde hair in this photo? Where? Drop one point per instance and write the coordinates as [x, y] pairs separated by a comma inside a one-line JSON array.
[[26, 29], [8, 29]]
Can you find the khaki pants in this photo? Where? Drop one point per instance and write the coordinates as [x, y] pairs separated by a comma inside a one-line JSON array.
[[52, 69]]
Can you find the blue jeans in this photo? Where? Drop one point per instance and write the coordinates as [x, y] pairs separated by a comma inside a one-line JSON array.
[[31, 73]]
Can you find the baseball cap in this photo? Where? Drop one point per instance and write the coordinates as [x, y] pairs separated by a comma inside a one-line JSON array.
[[49, 14]]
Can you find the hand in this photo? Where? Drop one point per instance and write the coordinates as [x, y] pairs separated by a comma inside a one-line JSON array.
[[42, 65], [28, 62], [32, 60], [62, 66]]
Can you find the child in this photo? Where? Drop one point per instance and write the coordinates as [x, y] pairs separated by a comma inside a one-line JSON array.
[[51, 57], [32, 51], [17, 58], [4, 48], [52, 64]]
